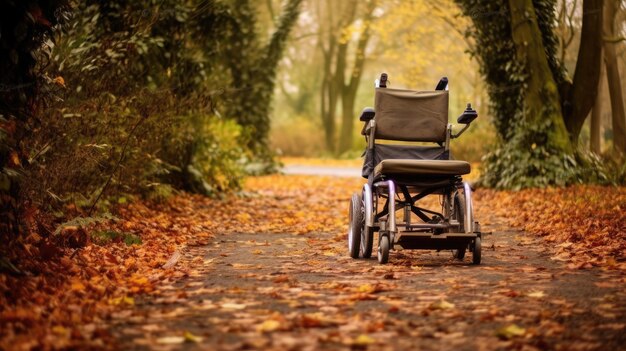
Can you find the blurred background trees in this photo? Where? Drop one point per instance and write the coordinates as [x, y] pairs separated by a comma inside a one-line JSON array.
[[531, 81], [340, 48]]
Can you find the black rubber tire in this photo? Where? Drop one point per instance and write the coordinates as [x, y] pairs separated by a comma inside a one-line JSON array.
[[459, 215], [356, 225], [367, 242], [383, 249], [459, 253], [476, 251], [367, 236]]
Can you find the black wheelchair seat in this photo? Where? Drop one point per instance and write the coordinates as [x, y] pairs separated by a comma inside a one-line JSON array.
[[431, 168]]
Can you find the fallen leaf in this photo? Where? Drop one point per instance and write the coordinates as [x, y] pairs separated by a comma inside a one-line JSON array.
[[77, 286], [441, 305], [364, 340], [171, 340], [269, 325], [510, 331], [189, 337], [233, 306], [59, 81], [124, 300]]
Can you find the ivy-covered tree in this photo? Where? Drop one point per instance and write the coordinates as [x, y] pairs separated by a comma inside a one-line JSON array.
[[538, 109], [252, 62]]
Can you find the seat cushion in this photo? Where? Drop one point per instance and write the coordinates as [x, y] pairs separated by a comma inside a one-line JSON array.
[[430, 168]]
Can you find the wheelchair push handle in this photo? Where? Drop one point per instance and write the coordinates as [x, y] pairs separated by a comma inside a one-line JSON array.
[[443, 84], [382, 82]]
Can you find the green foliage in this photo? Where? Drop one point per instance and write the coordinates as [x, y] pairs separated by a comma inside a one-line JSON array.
[[85, 221], [220, 155], [477, 141], [529, 160], [133, 93], [158, 192], [253, 65], [26, 28], [495, 51], [532, 148], [108, 236], [137, 110]]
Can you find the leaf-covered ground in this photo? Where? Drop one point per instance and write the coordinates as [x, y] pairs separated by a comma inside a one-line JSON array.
[[269, 270], [585, 224]]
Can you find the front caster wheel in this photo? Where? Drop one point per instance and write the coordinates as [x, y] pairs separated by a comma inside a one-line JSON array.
[[383, 250], [459, 254], [476, 251], [356, 225]]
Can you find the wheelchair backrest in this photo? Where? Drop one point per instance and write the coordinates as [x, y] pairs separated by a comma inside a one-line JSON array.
[[407, 115]]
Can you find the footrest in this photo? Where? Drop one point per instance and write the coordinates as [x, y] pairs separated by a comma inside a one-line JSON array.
[[443, 241]]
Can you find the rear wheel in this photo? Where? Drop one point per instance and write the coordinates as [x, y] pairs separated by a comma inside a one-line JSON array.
[[367, 244], [383, 249], [458, 214], [476, 251], [356, 225]]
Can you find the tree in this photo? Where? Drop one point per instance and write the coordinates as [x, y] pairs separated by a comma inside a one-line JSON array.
[[253, 66], [350, 85], [595, 136], [340, 83], [539, 111], [576, 98], [541, 104], [611, 8], [566, 28]]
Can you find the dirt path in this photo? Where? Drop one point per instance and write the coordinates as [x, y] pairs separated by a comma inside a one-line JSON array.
[[270, 291], [322, 170]]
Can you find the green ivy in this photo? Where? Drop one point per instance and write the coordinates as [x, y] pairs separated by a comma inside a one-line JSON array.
[[526, 154]]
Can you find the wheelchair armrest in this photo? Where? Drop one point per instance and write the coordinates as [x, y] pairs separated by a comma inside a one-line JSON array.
[[367, 114]]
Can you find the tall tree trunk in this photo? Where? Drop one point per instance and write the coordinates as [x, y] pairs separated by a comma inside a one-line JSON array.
[[347, 122], [350, 88], [612, 73], [577, 98], [336, 88], [338, 85], [595, 138], [541, 99], [327, 113], [332, 96], [334, 50]]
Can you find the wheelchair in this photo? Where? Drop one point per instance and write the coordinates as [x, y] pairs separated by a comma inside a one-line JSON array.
[[407, 159]]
